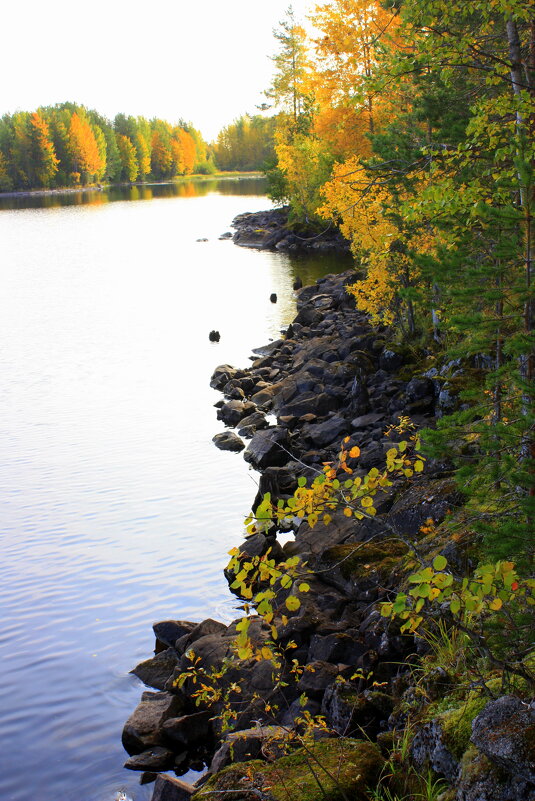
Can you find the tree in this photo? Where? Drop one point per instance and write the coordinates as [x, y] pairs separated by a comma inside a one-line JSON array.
[[162, 156], [288, 89], [127, 152], [42, 154], [83, 148], [183, 150], [354, 35]]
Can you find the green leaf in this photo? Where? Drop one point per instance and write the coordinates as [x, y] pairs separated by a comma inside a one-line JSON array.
[[440, 562], [386, 610], [301, 481]]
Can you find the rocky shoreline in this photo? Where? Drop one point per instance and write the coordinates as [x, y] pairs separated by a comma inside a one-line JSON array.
[[331, 376], [271, 230]]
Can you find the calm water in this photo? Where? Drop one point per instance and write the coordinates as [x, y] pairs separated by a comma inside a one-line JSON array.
[[116, 509]]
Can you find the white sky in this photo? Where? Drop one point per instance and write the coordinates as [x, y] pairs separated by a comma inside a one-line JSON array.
[[206, 61]]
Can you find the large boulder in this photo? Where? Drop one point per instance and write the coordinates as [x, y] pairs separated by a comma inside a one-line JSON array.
[[223, 374], [154, 759], [268, 448], [350, 712], [316, 403], [347, 769], [143, 729], [187, 730], [228, 441], [430, 749], [505, 732], [169, 788], [156, 671], [208, 626], [167, 632], [322, 434], [235, 410], [248, 744]]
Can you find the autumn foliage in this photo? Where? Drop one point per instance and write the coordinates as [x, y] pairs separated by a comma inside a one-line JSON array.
[[68, 145]]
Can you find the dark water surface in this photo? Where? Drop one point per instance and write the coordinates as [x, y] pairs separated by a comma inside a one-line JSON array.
[[116, 510]]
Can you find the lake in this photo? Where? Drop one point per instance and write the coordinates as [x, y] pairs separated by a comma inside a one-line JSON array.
[[116, 508]]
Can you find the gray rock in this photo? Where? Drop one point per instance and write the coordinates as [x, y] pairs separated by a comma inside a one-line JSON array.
[[156, 671], [482, 780], [419, 388], [228, 441], [242, 746], [235, 410], [447, 401], [391, 360], [211, 649], [315, 679], [208, 626], [168, 632], [223, 374], [505, 732], [349, 712], [322, 434], [429, 748], [154, 759], [334, 648], [296, 710], [268, 448], [169, 788], [269, 349], [251, 423], [367, 420], [188, 730], [142, 730], [318, 403]]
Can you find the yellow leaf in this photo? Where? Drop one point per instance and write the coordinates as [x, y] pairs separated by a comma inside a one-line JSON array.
[[496, 604], [354, 452], [348, 512], [418, 466], [292, 603]]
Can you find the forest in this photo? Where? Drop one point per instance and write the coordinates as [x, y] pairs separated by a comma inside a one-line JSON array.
[[410, 126], [69, 145]]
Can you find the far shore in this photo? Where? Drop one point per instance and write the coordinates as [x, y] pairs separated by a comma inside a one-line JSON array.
[[69, 190]]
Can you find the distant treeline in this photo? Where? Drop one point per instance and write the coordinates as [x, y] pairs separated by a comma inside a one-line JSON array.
[[69, 145], [247, 144]]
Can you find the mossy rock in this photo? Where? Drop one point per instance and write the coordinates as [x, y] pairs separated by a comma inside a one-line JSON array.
[[456, 723], [344, 767], [361, 560]]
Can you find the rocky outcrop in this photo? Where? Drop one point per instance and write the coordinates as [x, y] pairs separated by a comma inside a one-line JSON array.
[[270, 230], [332, 377]]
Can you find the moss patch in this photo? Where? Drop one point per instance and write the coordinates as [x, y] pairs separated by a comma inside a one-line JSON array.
[[457, 723], [353, 765], [359, 560]]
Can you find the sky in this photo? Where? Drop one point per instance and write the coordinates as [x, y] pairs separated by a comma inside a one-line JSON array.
[[204, 61]]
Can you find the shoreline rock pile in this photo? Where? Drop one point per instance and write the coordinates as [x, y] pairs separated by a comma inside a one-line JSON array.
[[332, 376], [270, 230]]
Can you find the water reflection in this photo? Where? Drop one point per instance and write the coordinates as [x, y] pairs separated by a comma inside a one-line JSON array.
[[117, 509], [186, 188]]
